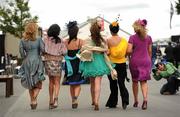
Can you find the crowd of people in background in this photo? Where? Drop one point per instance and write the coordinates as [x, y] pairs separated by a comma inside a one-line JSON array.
[[91, 59]]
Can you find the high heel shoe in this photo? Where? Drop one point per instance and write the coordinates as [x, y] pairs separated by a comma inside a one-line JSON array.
[[135, 104], [74, 102], [51, 106], [33, 106], [55, 102], [124, 106], [96, 107], [144, 105], [74, 105]]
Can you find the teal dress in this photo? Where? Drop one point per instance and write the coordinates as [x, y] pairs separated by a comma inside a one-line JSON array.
[[97, 67]]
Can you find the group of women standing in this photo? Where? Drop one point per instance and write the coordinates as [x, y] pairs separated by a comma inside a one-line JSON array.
[[94, 65]]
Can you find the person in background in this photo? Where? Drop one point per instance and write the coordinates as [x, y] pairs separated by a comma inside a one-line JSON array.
[[117, 55], [154, 57], [169, 72], [169, 53], [140, 52], [177, 55], [32, 69], [158, 55], [72, 73], [55, 49]]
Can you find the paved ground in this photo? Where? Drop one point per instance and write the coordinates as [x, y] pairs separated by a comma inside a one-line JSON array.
[[18, 104]]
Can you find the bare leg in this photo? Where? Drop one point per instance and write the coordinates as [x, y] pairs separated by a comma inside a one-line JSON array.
[[51, 90], [36, 91], [56, 90], [57, 86], [72, 91], [31, 93], [75, 89], [97, 89], [92, 81], [144, 88], [135, 93]]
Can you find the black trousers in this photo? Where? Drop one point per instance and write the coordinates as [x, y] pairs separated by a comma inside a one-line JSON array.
[[171, 86], [113, 98]]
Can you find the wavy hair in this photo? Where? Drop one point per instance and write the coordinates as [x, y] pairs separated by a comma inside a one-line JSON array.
[[140, 28], [30, 33], [95, 30]]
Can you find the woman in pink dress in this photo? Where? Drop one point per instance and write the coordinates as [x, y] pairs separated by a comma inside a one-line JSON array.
[[140, 50]]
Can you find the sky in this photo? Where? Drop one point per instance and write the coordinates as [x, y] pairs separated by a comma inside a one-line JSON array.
[[157, 13]]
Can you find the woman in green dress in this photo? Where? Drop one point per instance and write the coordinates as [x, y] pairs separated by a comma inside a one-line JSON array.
[[97, 67]]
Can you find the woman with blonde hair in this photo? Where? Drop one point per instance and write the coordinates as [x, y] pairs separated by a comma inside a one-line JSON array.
[[97, 67], [32, 69], [140, 52]]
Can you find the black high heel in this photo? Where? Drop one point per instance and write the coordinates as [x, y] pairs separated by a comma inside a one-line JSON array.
[[135, 104], [33, 106], [96, 107], [144, 105]]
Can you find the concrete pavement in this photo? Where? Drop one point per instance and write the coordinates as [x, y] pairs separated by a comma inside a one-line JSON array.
[[158, 105]]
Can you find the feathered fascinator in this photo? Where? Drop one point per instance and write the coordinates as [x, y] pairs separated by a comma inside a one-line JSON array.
[[115, 23]]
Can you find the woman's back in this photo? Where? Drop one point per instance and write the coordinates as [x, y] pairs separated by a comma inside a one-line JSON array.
[[140, 48], [31, 48]]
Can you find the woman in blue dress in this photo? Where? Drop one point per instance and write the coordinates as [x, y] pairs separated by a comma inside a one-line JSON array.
[[32, 69], [97, 67]]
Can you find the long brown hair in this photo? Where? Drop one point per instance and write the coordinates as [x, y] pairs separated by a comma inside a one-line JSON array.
[[95, 33], [30, 32]]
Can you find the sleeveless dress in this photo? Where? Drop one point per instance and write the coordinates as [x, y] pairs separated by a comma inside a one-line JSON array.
[[75, 77], [96, 67], [32, 68]]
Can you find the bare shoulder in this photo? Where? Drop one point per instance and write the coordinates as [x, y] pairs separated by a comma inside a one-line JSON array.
[[81, 42], [65, 41]]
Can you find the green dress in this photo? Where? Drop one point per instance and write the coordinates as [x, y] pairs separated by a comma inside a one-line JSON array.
[[96, 67]]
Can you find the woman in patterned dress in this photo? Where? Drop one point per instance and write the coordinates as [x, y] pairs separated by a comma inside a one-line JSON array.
[[55, 49]]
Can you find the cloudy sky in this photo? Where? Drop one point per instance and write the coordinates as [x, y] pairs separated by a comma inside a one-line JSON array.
[[157, 12]]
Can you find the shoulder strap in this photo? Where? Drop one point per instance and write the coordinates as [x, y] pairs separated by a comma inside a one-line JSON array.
[[79, 44]]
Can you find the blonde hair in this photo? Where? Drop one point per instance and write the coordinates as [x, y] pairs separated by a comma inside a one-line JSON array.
[[30, 32], [140, 29]]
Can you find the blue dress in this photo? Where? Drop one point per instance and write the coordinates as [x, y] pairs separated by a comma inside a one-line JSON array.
[[32, 68]]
